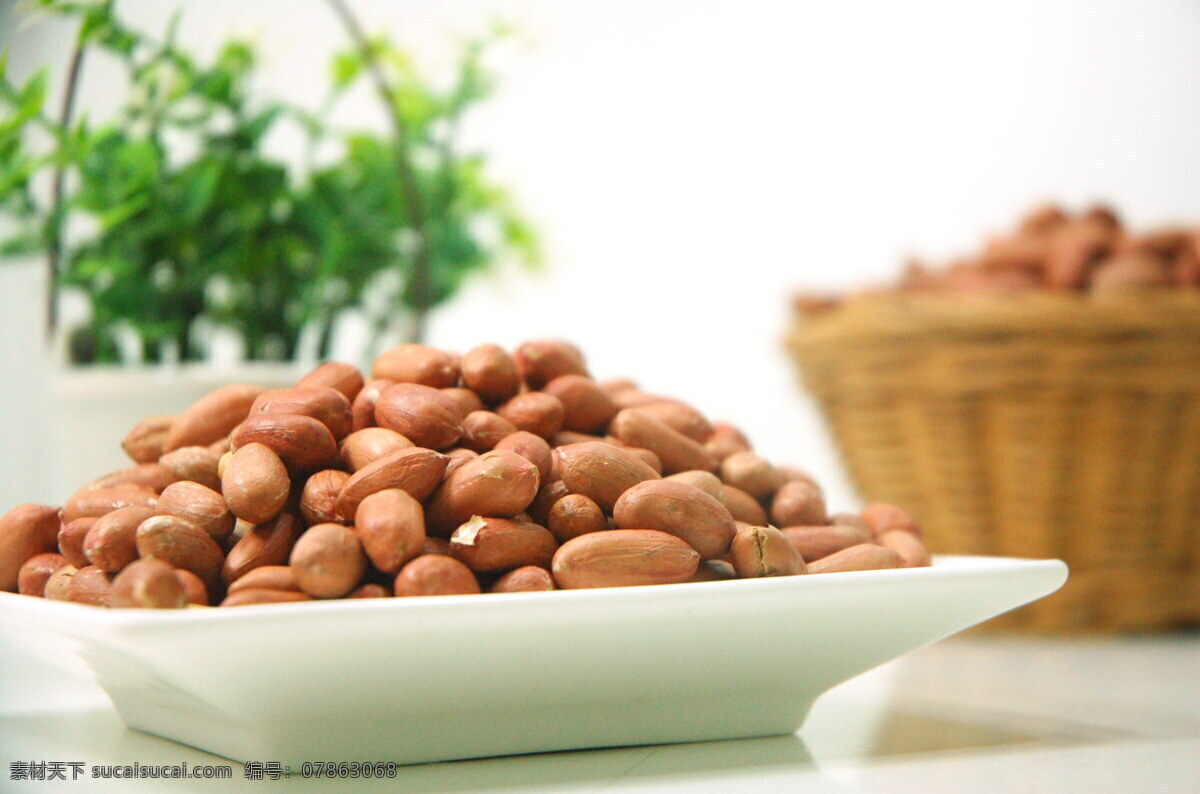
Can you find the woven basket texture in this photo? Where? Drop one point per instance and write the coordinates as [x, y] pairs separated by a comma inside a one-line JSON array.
[[1038, 425]]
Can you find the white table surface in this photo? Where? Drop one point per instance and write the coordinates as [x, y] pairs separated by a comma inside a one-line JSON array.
[[979, 713]]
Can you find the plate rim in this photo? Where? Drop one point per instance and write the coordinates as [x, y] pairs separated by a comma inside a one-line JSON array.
[[944, 566]]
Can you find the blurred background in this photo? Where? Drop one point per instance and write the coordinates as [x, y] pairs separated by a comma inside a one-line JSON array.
[[689, 165]]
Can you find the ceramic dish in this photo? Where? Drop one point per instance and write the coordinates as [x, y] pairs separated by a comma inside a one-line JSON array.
[[428, 679]]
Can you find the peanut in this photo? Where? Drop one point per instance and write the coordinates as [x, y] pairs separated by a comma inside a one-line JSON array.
[[726, 440], [260, 595], [111, 543], [370, 590], [911, 549], [601, 471], [542, 360], [183, 545], [362, 409], [574, 515], [491, 373], [880, 517], [25, 531], [255, 483], [498, 544], [527, 578], [270, 577], [101, 501], [391, 525], [150, 584], [328, 561], [423, 415], [211, 417], [71, 537], [862, 557], [680, 509], [336, 375], [301, 442], [146, 441], [193, 589], [586, 407], [327, 405], [647, 457], [468, 401], [547, 496], [499, 484], [319, 500], [266, 544], [191, 464], [59, 583], [144, 475], [536, 412], [744, 507], [458, 456], [416, 470], [420, 364], [752, 474], [797, 503], [198, 505], [623, 557], [680, 417], [435, 574], [764, 551], [676, 451], [813, 543], [31, 579], [90, 585], [636, 398], [368, 445], [483, 430], [533, 448], [704, 480]]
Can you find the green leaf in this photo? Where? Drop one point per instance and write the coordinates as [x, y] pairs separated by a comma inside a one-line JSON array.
[[97, 18], [114, 168], [122, 212], [21, 244], [346, 67], [236, 58], [33, 95], [254, 128], [99, 25], [198, 185], [13, 126], [91, 268]]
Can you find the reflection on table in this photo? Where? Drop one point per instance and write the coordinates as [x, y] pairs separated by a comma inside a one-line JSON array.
[[989, 712]]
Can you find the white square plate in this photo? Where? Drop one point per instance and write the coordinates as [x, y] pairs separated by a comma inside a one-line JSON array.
[[431, 679]]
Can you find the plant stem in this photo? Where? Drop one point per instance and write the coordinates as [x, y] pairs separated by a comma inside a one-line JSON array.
[[419, 281], [58, 188]]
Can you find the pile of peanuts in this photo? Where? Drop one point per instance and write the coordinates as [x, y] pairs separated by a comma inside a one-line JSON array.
[[1051, 250], [442, 474]]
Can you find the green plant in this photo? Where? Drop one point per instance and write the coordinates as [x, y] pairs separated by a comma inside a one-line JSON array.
[[197, 227]]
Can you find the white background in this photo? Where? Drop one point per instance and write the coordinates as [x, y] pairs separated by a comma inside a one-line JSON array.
[[692, 163]]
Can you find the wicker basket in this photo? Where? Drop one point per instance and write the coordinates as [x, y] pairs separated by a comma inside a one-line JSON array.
[[1035, 426]]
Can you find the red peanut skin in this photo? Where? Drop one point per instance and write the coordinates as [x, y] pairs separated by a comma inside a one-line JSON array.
[[526, 579], [422, 414], [346, 378], [435, 574], [25, 531], [31, 579], [212, 416]]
